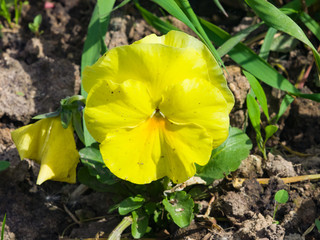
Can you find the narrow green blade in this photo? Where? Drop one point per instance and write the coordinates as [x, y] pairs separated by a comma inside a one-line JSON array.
[[275, 18]]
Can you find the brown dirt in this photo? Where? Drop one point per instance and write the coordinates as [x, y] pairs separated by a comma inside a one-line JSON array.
[[35, 73]]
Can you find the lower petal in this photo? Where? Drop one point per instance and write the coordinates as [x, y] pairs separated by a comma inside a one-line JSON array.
[[155, 149]]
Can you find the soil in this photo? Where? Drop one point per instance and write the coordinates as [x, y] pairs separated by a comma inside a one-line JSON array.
[[37, 72]]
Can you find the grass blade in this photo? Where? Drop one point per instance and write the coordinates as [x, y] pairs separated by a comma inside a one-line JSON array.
[[287, 100], [94, 45], [231, 42], [258, 91], [154, 21], [186, 15], [273, 17], [218, 4], [251, 62], [3, 225], [265, 48], [313, 26]]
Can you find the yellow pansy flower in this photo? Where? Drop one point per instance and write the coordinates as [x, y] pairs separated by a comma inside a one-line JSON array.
[[49, 144], [157, 107]]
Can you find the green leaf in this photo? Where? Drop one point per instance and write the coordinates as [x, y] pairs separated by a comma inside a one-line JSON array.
[[258, 91], [48, 115], [140, 221], [154, 21], [94, 45], [218, 4], [180, 207], [37, 20], [287, 100], [273, 17], [310, 23], [4, 165], [317, 223], [231, 42], [125, 2], [270, 130], [254, 112], [77, 124], [265, 48], [284, 43], [92, 159], [227, 157], [130, 204], [281, 196], [3, 226], [251, 62], [185, 14], [66, 117]]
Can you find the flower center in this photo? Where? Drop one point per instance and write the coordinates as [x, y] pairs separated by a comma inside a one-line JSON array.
[[157, 113]]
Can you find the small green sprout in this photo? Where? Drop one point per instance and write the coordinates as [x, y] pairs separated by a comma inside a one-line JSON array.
[[34, 27], [3, 225], [281, 197]]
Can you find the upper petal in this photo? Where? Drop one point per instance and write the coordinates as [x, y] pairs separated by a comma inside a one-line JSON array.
[[156, 65], [49, 144], [200, 102], [112, 105], [182, 40]]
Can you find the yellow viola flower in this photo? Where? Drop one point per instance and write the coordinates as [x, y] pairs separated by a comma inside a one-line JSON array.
[[157, 107], [49, 144]]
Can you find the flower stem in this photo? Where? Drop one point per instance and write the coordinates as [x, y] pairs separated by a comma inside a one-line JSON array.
[[116, 233]]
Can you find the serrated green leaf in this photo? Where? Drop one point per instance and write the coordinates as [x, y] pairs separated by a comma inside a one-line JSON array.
[[259, 93], [92, 159], [140, 221], [130, 204], [4, 165], [180, 207], [227, 157], [281, 196]]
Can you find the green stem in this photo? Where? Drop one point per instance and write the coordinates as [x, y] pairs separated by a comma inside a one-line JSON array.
[[275, 211], [116, 233]]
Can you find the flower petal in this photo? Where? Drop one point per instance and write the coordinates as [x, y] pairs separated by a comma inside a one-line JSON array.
[[182, 40], [198, 101], [111, 106], [49, 144], [155, 149], [157, 65]]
